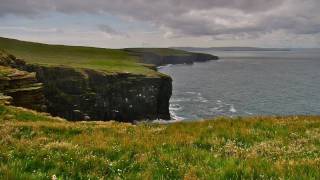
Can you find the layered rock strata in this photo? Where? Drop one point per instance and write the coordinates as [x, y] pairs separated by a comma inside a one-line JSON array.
[[21, 88]]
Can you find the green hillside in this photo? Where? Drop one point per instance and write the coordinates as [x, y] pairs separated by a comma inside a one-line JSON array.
[[87, 57], [108, 60]]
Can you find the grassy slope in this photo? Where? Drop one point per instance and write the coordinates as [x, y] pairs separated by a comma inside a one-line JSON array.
[[34, 146], [108, 60]]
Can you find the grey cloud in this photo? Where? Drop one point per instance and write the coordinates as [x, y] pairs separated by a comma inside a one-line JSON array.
[[130, 7], [190, 17], [295, 17], [111, 31], [24, 7], [107, 29]]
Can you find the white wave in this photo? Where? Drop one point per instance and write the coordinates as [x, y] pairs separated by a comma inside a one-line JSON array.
[[216, 109], [191, 92], [177, 118], [161, 121], [175, 107], [248, 113], [202, 99], [180, 99], [165, 66], [232, 109], [197, 97]]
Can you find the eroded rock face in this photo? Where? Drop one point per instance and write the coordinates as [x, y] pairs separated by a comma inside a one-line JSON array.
[[162, 60], [21, 88], [83, 94], [88, 94]]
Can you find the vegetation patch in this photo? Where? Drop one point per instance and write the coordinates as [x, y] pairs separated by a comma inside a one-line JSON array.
[[37, 146]]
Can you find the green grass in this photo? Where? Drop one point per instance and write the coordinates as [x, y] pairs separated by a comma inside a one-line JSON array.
[[36, 146], [108, 60]]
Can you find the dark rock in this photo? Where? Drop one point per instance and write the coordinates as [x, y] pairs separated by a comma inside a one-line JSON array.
[[21, 88], [83, 94]]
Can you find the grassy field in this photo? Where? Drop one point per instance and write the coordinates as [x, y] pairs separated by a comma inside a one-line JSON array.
[[36, 146], [108, 60]]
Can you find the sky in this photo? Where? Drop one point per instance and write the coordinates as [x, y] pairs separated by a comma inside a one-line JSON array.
[[164, 23]]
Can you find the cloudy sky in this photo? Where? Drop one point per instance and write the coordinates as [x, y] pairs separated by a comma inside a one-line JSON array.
[[162, 23]]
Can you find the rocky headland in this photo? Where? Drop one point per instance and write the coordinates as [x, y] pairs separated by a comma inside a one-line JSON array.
[[80, 93], [160, 57]]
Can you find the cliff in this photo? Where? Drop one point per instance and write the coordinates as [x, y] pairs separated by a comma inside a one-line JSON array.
[[87, 83], [163, 56], [86, 94], [21, 88]]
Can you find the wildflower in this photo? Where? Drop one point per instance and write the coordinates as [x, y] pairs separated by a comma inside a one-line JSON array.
[[54, 177]]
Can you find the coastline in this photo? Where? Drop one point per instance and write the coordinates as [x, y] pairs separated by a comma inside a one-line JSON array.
[[101, 90]]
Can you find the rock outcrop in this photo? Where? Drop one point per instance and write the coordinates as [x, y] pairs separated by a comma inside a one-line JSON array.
[[21, 88], [85, 94]]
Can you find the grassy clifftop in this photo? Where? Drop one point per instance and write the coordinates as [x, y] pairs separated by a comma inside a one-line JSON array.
[[108, 60], [36, 146]]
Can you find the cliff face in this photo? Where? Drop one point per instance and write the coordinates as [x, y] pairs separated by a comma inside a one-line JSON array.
[[162, 60], [21, 88], [83, 94]]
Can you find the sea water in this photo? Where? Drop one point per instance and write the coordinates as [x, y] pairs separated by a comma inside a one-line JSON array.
[[247, 83]]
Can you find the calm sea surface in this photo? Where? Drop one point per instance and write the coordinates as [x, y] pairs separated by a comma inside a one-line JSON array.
[[247, 83]]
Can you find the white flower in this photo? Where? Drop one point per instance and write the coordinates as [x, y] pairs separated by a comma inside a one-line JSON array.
[[54, 177]]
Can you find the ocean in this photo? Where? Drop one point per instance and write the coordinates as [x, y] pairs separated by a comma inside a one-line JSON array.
[[247, 83]]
